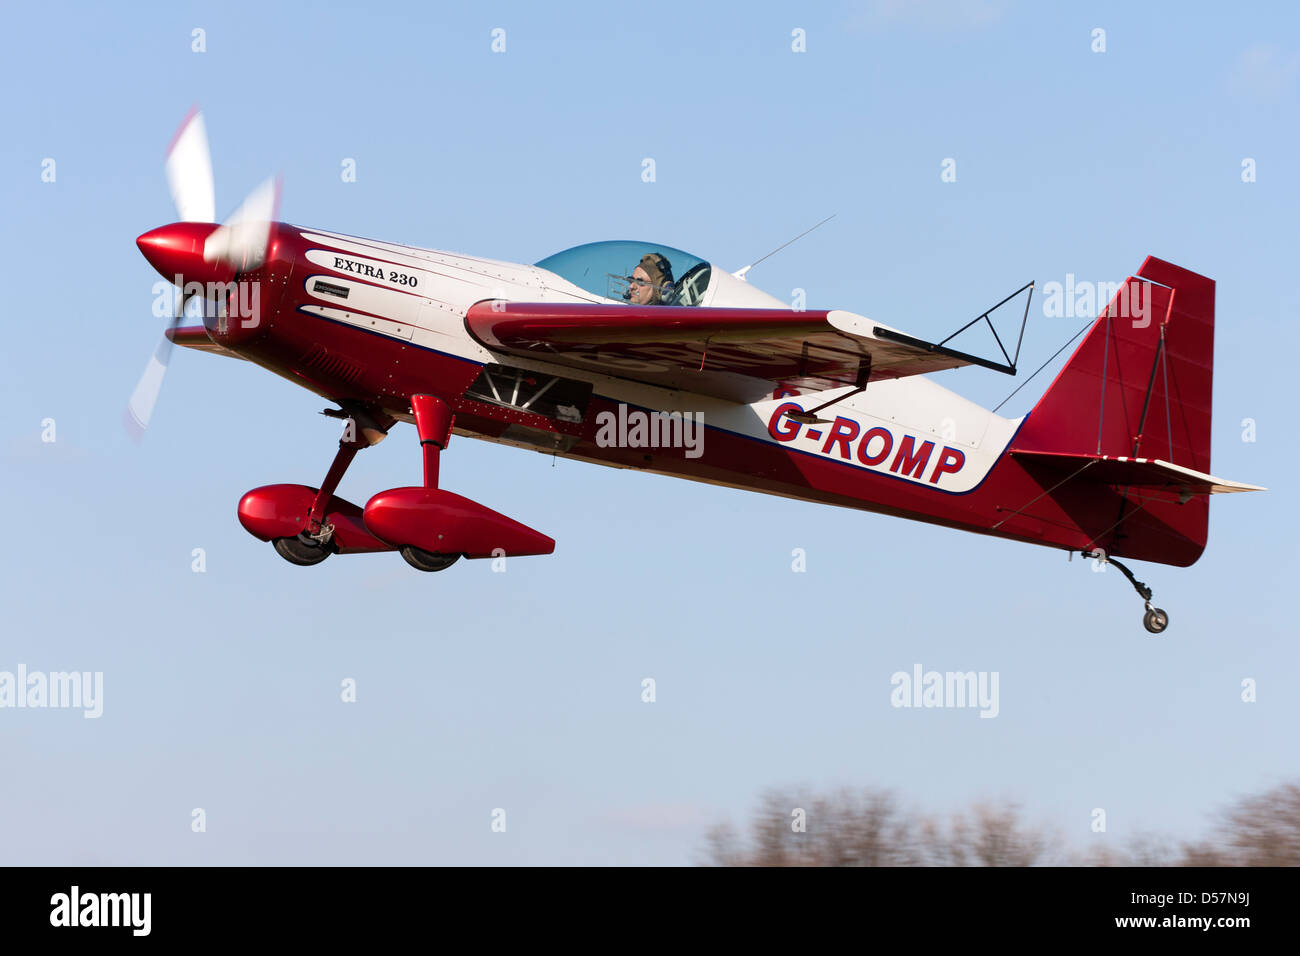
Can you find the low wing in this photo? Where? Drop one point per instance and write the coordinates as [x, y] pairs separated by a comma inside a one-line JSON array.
[[196, 337], [734, 354]]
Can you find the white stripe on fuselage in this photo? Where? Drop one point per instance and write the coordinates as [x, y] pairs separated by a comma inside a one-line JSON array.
[[912, 411]]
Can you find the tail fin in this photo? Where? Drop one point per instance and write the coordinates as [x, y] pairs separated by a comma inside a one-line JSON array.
[[1139, 386], [1144, 399]]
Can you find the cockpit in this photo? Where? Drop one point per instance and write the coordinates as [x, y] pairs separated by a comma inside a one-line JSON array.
[[610, 270]]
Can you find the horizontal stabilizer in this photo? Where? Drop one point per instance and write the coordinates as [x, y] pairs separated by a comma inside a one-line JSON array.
[[1134, 472]]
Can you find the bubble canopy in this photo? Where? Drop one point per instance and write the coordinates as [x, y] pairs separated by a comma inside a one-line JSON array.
[[591, 266]]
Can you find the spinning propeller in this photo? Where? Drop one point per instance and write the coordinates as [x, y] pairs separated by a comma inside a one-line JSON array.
[[196, 249]]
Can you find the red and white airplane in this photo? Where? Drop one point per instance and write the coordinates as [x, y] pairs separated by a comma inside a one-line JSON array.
[[717, 382]]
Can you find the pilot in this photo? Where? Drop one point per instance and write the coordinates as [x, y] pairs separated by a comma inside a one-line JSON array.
[[650, 281]]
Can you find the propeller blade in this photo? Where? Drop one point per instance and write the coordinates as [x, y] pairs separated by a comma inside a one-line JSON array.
[[140, 408], [242, 239], [189, 171], [241, 243]]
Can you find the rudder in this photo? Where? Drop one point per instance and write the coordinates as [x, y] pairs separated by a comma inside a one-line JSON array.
[[1140, 385]]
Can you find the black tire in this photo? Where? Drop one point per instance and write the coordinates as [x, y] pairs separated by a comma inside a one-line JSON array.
[[1155, 620], [423, 560], [296, 552]]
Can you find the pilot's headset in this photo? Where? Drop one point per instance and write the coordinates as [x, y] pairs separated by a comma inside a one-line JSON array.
[[653, 262]]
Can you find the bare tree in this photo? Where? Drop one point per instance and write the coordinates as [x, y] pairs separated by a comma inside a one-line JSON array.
[[723, 846], [1260, 830], [796, 828], [1144, 849], [990, 836], [870, 827], [862, 828], [1202, 854], [1150, 849]]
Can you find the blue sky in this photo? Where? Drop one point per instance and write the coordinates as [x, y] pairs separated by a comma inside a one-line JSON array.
[[522, 690]]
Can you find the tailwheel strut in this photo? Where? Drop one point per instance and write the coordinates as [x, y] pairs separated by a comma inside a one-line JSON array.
[[1155, 619]]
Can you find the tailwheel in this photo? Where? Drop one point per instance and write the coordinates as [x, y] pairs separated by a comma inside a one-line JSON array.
[[1155, 620], [300, 552], [423, 560]]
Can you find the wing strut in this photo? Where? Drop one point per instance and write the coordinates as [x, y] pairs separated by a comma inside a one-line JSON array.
[[941, 346], [810, 417]]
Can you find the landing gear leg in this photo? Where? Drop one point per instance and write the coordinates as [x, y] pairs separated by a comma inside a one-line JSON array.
[[316, 531], [314, 544], [1155, 620], [433, 421]]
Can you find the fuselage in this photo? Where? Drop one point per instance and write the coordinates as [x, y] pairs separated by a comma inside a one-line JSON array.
[[368, 324]]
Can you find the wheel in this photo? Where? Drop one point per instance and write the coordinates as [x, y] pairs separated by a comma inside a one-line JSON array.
[[423, 560], [295, 551], [1155, 620]]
